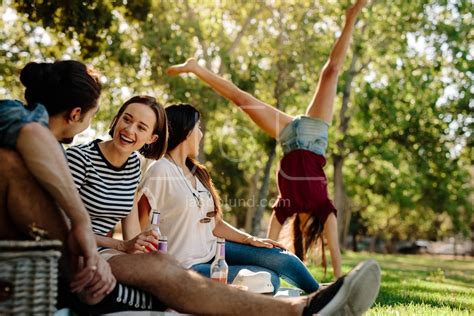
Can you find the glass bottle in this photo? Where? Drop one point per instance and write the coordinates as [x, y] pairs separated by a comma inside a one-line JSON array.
[[163, 244], [155, 221], [154, 225], [219, 268]]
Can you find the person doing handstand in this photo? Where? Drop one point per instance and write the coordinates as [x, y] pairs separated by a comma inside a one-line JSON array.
[[301, 178]]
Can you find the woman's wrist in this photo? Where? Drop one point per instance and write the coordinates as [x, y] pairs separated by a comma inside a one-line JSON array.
[[247, 239], [120, 246]]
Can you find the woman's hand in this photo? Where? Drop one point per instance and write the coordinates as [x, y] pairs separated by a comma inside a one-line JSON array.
[[143, 242], [189, 66], [262, 242]]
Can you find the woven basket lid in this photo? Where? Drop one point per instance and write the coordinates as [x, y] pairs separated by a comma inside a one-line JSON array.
[[29, 244]]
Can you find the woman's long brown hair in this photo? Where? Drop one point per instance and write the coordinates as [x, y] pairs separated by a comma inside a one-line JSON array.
[[305, 235], [182, 118]]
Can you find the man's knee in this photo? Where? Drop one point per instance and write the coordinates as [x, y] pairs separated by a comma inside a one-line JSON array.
[[163, 262], [25, 199], [11, 163]]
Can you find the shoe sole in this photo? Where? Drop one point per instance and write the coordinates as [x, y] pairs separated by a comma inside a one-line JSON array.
[[358, 292]]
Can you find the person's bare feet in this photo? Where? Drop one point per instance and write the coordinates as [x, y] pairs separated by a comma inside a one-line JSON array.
[[188, 66]]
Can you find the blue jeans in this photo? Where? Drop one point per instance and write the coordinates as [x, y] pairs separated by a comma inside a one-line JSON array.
[[278, 262]]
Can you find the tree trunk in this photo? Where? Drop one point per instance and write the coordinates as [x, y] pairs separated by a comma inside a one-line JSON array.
[[354, 242], [340, 200], [373, 242], [472, 239], [343, 212], [263, 193], [251, 196]]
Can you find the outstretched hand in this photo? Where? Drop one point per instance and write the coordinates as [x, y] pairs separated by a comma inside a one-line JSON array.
[[186, 67]]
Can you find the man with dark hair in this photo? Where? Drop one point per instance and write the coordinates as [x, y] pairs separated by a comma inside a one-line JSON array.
[[36, 188]]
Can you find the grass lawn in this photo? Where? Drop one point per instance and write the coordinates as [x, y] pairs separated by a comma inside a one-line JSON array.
[[418, 285]]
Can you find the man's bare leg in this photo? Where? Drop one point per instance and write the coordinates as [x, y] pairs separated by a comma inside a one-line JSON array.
[[322, 103], [188, 292], [25, 203]]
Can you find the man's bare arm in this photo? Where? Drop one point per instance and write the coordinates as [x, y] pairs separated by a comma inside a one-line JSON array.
[[46, 161]]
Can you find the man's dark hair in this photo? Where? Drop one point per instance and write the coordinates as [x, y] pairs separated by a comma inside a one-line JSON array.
[[61, 86]]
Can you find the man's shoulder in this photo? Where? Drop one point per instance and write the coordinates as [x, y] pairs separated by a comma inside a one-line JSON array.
[[14, 115], [11, 103], [16, 105]]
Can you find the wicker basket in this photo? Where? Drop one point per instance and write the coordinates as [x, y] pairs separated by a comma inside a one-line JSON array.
[[28, 277]]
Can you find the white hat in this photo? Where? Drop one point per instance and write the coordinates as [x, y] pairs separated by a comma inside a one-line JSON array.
[[256, 282]]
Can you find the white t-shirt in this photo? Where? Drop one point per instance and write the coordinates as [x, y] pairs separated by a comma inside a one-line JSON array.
[[189, 241]]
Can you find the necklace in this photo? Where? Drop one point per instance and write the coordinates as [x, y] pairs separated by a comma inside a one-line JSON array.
[[196, 197]]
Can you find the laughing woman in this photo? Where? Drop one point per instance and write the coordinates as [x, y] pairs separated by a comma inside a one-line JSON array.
[[191, 217], [107, 173]]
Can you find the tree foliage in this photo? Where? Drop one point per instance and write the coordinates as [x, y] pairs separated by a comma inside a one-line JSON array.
[[407, 137]]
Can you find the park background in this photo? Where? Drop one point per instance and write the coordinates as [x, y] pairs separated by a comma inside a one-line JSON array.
[[400, 148]]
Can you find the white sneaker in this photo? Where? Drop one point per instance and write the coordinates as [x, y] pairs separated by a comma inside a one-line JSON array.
[[351, 294]]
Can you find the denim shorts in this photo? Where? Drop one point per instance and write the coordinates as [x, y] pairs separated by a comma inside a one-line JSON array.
[[305, 132], [14, 115]]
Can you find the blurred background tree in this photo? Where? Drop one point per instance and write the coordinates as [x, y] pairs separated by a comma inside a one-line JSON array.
[[400, 154]]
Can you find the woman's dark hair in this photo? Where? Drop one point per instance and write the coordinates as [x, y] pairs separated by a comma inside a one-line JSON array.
[[307, 234], [157, 149], [61, 86], [182, 118]]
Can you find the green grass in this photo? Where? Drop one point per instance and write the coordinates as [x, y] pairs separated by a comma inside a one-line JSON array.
[[418, 285]]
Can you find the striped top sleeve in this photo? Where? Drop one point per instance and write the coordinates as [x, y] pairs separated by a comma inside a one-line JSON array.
[[107, 191]]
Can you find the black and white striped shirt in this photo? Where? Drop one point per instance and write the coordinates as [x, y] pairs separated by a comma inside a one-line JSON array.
[[107, 191]]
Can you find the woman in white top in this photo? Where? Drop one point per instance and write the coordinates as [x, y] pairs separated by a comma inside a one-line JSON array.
[[182, 190]]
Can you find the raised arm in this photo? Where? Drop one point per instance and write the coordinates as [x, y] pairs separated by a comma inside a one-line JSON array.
[[267, 117]]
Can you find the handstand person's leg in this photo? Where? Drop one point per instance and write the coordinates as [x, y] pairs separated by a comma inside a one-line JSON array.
[[322, 103]]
